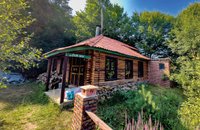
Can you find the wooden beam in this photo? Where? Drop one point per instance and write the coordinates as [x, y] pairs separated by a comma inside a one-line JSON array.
[[62, 95], [92, 68], [100, 124], [48, 73]]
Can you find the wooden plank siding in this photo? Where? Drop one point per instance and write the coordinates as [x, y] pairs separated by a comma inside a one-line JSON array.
[[99, 71], [95, 68]]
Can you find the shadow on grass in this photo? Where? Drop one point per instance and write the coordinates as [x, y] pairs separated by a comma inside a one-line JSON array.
[[25, 94]]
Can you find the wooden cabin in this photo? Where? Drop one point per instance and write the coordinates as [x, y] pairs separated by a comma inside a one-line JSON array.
[[97, 61]]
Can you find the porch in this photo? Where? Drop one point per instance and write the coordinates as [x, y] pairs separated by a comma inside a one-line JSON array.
[[54, 95], [72, 70]]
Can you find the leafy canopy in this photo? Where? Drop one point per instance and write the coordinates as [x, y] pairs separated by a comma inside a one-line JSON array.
[[14, 38], [151, 30], [116, 22], [53, 26], [15, 51], [185, 42]]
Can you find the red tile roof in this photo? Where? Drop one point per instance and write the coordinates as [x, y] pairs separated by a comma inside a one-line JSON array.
[[106, 43]]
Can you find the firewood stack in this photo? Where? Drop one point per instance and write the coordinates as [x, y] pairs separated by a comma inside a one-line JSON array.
[[54, 80]]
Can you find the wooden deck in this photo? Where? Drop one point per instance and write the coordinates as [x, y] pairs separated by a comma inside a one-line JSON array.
[[54, 95]]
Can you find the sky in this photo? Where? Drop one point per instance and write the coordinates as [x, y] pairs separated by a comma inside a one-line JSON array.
[[172, 7]]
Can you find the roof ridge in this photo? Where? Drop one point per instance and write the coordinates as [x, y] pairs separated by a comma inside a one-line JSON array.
[[98, 39]]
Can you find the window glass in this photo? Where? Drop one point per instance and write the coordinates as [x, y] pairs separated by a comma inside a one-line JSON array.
[[140, 69], [111, 69], [161, 66], [128, 69]]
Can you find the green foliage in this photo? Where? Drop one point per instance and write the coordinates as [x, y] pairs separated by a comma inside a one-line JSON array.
[[2, 85], [151, 29], [116, 22], [190, 113], [167, 112], [160, 103], [141, 100], [185, 42], [14, 39], [53, 26]]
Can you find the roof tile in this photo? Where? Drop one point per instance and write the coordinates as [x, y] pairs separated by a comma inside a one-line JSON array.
[[107, 44]]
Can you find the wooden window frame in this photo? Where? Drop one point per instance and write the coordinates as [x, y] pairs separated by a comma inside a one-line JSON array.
[[115, 70], [128, 68], [140, 69]]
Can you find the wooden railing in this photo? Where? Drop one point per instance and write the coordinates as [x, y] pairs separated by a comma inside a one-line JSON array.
[[102, 125]]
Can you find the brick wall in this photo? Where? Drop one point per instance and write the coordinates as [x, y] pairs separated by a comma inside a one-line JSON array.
[[85, 107], [80, 120], [156, 75]]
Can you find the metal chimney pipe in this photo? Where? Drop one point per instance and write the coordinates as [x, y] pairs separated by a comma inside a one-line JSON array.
[[98, 29]]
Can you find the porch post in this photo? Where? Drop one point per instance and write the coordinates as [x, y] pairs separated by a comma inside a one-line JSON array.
[[48, 73], [62, 96]]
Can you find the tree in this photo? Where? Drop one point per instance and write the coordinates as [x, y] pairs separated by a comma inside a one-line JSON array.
[[151, 31], [15, 50], [53, 26], [52, 29], [185, 42], [116, 22]]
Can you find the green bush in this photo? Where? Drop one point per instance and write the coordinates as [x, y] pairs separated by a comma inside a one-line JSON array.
[[140, 100], [161, 106], [167, 114], [190, 113]]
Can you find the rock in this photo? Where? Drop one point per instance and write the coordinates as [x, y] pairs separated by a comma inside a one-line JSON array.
[[106, 91]]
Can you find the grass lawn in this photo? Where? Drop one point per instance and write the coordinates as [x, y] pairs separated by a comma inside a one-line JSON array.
[[159, 102], [26, 107]]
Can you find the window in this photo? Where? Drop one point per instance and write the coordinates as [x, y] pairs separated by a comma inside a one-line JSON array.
[[128, 69], [140, 69], [161, 66], [111, 69]]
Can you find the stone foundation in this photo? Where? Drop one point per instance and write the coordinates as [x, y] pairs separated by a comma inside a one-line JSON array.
[[107, 89]]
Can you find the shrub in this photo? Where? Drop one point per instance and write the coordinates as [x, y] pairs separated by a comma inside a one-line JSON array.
[[190, 113], [160, 103], [141, 100], [167, 114]]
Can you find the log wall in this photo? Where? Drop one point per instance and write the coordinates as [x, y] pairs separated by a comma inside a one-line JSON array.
[[95, 69], [99, 71]]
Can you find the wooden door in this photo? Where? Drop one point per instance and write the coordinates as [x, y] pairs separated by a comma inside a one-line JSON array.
[[77, 71]]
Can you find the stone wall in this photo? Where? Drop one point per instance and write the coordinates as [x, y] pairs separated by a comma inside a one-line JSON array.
[[107, 89], [159, 76]]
